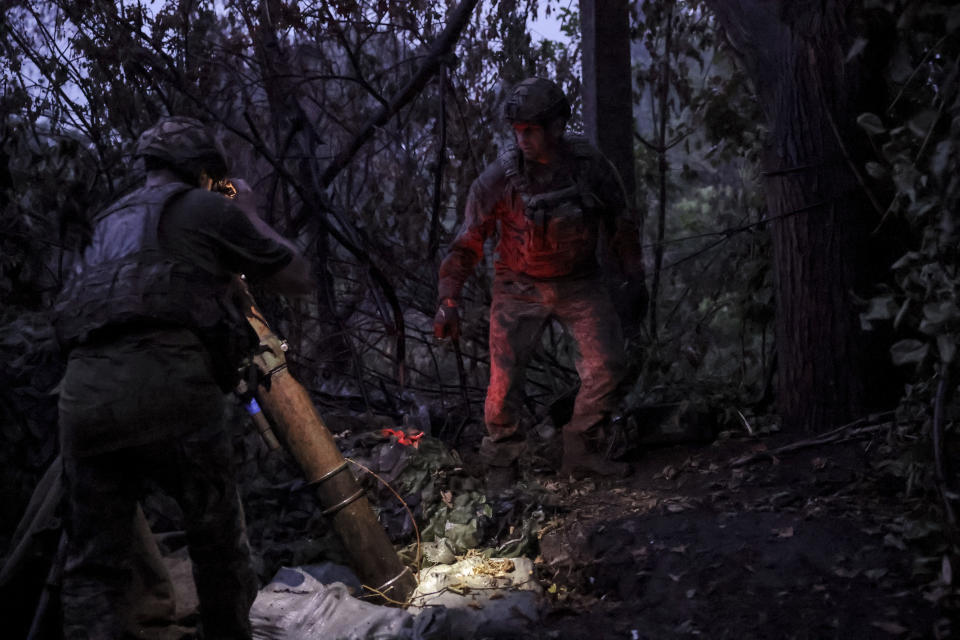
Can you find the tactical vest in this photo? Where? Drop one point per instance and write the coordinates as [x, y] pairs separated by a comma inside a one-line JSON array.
[[126, 278], [562, 226]]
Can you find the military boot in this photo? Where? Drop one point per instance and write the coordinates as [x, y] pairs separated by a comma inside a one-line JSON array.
[[501, 462], [581, 460]]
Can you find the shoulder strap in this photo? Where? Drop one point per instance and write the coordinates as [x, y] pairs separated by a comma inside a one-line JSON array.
[[585, 155], [509, 160], [161, 195]]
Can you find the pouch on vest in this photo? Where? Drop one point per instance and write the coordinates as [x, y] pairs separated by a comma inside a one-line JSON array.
[[231, 342]]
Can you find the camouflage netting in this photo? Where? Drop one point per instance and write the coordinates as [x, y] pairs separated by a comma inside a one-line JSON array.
[[452, 511]]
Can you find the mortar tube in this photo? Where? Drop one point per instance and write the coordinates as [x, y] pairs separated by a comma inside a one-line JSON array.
[[307, 438]]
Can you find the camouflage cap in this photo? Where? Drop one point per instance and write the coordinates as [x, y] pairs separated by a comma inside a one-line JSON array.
[[536, 100], [184, 143]]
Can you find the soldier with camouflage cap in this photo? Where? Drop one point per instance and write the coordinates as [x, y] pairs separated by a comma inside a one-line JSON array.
[[549, 199], [184, 145], [145, 316]]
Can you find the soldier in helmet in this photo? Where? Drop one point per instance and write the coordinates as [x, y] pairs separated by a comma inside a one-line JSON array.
[[152, 341], [548, 199]]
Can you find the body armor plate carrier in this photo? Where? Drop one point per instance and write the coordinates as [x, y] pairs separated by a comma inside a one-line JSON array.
[[562, 224], [126, 278]]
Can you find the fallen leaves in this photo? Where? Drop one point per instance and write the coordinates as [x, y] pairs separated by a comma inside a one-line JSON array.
[[876, 574], [495, 567], [669, 472], [891, 540], [809, 546], [676, 504], [638, 553], [687, 627], [846, 573], [893, 628]]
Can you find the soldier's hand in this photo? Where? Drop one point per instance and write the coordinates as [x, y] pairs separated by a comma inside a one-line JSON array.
[[446, 324]]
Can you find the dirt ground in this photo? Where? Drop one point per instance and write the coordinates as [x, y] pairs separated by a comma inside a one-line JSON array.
[[816, 543], [810, 545]]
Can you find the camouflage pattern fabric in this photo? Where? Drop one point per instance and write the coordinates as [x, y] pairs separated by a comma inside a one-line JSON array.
[[558, 246], [548, 269], [520, 311], [185, 143], [536, 100], [103, 491], [140, 412], [139, 388], [140, 403]]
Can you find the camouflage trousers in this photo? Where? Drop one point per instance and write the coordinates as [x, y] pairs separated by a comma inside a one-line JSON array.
[[520, 311], [103, 490]]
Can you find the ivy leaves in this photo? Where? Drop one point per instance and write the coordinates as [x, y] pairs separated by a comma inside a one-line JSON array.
[[917, 160]]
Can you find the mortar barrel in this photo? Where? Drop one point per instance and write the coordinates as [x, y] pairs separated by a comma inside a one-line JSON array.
[[302, 430]]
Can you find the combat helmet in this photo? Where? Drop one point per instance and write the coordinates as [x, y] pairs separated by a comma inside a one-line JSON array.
[[536, 100], [186, 145]]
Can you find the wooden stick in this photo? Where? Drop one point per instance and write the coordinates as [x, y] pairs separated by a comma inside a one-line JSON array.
[[844, 434], [942, 485]]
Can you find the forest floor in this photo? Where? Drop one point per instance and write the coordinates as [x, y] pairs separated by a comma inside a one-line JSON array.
[[744, 537], [814, 544], [732, 539]]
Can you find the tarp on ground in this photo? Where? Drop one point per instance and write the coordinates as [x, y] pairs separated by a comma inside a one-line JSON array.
[[474, 598]]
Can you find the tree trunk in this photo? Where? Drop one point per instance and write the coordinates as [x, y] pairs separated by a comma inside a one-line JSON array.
[[608, 98], [608, 84], [795, 52]]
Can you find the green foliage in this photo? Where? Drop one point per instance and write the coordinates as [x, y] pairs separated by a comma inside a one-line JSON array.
[[699, 122], [917, 159], [916, 167]]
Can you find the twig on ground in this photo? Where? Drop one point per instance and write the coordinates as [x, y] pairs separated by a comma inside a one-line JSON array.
[[844, 434], [746, 424], [943, 487]]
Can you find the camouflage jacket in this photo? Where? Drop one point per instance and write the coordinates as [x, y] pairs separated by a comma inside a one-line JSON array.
[[548, 219]]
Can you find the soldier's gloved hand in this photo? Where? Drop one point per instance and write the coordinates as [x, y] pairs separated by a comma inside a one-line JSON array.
[[446, 324]]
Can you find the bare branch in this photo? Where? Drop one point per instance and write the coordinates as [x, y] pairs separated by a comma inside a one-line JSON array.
[[440, 48]]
